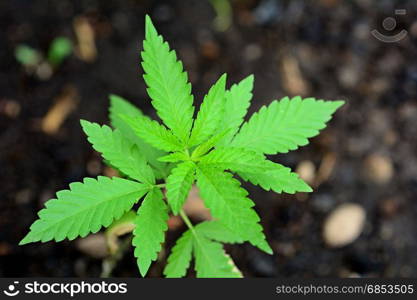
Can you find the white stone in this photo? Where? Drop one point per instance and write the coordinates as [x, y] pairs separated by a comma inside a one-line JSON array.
[[344, 225]]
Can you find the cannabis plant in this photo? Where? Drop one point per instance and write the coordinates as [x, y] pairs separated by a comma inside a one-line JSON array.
[[161, 162]]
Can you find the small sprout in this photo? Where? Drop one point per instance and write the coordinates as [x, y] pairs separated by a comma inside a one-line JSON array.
[[224, 14], [34, 61]]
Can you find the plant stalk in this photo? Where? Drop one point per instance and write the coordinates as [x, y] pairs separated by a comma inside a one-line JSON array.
[[186, 220]]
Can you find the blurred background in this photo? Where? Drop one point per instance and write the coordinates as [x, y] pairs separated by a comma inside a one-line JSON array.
[[59, 60]]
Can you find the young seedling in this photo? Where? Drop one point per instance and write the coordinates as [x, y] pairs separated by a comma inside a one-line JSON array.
[[211, 149], [34, 61]]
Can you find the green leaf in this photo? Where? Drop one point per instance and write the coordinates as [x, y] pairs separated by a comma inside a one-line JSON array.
[[60, 48], [121, 226], [236, 159], [27, 55], [180, 257], [211, 261], [215, 230], [228, 203], [237, 101], [149, 233], [85, 208], [179, 184], [279, 179], [174, 157], [153, 133], [167, 83], [125, 221], [119, 151], [203, 148], [120, 106], [210, 112], [285, 125]]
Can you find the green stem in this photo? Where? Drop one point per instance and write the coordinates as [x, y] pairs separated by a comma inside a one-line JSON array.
[[190, 226], [187, 221]]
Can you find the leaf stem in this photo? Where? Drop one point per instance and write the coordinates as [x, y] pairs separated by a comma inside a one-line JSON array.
[[186, 220], [190, 226]]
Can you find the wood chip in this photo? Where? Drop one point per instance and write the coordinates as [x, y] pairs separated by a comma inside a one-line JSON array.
[[292, 77], [86, 46], [63, 106], [326, 168]]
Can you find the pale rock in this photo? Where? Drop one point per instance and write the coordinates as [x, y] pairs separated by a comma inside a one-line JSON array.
[[307, 171], [378, 168], [344, 225]]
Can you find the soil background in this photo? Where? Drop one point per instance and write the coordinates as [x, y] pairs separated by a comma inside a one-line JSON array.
[[367, 155]]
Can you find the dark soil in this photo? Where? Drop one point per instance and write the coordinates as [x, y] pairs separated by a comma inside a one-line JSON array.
[[336, 58]]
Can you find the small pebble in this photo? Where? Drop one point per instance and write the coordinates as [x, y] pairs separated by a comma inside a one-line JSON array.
[[44, 71], [307, 171], [23, 196], [344, 225], [5, 249], [94, 167], [252, 52], [389, 207], [210, 49], [10, 108], [378, 168]]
